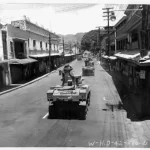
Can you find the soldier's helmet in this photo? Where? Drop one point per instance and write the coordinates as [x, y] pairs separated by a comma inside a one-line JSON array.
[[67, 68]]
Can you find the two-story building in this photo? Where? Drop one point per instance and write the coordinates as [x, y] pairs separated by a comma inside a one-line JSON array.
[[24, 47], [40, 41], [131, 63]]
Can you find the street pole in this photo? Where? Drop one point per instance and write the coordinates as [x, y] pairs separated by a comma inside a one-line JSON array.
[[115, 41], [108, 32], [108, 17], [49, 51]]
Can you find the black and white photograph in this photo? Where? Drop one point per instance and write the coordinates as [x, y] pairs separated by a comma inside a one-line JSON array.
[[74, 74]]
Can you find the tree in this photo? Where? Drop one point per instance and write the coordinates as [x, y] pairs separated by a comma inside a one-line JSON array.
[[90, 40]]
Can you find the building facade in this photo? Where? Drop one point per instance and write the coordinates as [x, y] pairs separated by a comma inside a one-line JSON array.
[[20, 40], [38, 37], [133, 59]]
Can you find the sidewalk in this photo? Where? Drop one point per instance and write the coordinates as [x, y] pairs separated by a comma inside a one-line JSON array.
[[8, 87], [131, 101], [132, 105]]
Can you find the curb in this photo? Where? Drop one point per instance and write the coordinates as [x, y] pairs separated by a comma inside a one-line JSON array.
[[37, 79]]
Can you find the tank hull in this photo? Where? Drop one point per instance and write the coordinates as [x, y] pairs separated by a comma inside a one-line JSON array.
[[63, 110]]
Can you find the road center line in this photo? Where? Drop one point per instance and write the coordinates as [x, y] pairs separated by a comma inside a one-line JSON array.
[[45, 115], [104, 98]]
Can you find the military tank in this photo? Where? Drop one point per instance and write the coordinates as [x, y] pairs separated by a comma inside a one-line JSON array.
[[72, 98], [88, 69], [79, 57]]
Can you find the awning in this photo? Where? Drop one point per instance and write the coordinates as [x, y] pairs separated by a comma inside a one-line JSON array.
[[16, 38], [55, 54], [105, 56], [129, 55], [66, 55], [22, 61], [44, 55], [4, 61], [112, 57], [145, 63], [39, 55]]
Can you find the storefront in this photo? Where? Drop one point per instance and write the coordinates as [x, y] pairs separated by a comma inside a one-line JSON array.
[[22, 69]]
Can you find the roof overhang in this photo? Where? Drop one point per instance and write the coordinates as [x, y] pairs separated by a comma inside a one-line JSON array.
[[112, 57], [105, 56], [19, 39], [44, 55], [131, 23], [66, 55], [4, 61], [22, 61], [128, 55]]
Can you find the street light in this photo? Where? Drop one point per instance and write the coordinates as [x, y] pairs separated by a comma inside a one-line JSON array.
[[112, 17], [49, 52]]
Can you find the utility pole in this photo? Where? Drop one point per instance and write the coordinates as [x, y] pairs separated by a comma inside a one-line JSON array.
[[108, 15], [115, 41], [49, 51], [63, 50]]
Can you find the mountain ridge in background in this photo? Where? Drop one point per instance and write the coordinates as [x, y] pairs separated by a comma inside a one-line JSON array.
[[72, 38]]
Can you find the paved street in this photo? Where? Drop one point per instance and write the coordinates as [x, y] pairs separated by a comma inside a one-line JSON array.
[[22, 121]]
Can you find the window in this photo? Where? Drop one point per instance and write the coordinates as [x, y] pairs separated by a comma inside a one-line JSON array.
[[41, 44], [34, 43]]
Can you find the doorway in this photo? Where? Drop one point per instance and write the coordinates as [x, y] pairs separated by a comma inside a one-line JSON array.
[[19, 48]]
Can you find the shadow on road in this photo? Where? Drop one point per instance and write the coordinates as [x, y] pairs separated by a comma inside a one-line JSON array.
[[66, 116]]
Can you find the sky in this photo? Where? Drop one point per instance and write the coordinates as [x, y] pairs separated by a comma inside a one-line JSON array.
[[61, 17]]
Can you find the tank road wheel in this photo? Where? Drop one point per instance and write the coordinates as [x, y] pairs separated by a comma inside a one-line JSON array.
[[83, 112]]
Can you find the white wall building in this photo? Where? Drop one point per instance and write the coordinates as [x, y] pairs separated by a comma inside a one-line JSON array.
[[38, 37]]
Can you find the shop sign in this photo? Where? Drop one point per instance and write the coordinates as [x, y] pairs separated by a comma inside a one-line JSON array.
[[142, 74]]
